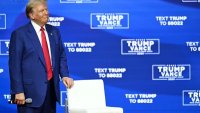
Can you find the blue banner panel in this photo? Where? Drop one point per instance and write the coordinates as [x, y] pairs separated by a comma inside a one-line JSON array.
[[146, 51]]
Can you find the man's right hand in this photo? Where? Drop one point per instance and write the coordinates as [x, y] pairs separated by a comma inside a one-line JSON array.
[[20, 98]]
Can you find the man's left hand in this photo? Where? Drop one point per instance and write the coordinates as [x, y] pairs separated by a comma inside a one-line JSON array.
[[68, 82]]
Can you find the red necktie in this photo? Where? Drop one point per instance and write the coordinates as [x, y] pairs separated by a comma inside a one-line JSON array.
[[46, 54]]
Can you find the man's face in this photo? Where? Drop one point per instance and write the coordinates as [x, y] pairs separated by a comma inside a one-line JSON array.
[[40, 14]]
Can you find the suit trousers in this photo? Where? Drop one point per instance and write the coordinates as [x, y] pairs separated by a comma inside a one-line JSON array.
[[49, 105]]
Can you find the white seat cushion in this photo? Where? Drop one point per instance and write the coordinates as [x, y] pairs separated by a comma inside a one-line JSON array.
[[98, 110]]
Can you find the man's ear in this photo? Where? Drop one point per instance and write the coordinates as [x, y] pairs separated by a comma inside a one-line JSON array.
[[31, 16]]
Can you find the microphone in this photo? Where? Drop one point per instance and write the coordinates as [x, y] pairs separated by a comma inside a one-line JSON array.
[[27, 101]]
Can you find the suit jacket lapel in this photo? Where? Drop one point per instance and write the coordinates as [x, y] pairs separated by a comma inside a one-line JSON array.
[[52, 44], [36, 43]]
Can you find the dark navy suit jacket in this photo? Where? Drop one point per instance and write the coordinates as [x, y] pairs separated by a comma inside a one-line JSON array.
[[27, 65]]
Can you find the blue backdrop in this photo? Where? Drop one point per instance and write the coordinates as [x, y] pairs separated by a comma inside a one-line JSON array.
[[146, 51]]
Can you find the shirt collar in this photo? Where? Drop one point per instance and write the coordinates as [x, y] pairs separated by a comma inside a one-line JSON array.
[[37, 27]]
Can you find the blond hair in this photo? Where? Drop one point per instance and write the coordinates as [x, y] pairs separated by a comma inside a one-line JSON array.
[[30, 5]]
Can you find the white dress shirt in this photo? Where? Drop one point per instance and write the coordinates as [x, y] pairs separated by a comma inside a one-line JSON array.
[[37, 30]]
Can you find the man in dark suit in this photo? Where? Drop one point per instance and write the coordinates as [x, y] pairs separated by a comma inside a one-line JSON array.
[[37, 60]]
